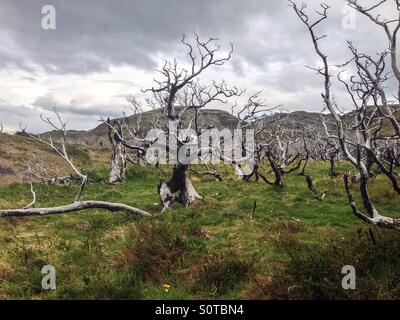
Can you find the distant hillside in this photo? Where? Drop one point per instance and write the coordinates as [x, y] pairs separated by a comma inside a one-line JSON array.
[[17, 151], [300, 120], [387, 127], [217, 118], [97, 137]]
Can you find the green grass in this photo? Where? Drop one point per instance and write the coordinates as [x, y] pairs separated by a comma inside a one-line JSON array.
[[213, 249]]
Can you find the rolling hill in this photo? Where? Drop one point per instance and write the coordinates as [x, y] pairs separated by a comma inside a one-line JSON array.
[[93, 145]]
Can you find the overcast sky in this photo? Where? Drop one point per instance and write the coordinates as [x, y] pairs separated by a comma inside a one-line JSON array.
[[103, 51]]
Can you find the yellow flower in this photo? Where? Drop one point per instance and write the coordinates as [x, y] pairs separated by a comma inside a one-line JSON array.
[[166, 287]]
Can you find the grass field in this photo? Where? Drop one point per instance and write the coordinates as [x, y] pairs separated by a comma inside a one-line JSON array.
[[293, 247]]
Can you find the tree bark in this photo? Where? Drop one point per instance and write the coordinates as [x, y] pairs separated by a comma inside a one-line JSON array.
[[179, 182], [77, 206], [118, 164], [277, 172], [374, 218], [332, 172], [310, 183]]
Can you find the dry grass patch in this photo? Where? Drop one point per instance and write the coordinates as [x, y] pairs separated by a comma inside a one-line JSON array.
[[217, 272], [158, 248]]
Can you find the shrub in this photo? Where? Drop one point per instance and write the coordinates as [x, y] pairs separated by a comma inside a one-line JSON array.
[[218, 272], [158, 248], [313, 270]]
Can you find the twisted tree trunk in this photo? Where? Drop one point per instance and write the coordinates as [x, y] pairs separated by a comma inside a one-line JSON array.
[[118, 164], [277, 172], [332, 172], [179, 183], [118, 156]]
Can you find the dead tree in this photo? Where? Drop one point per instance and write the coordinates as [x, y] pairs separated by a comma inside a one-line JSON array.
[[391, 29], [127, 143], [178, 92], [311, 146], [118, 155], [255, 114], [60, 149], [37, 170], [273, 142], [310, 183], [209, 172], [74, 207], [332, 150], [280, 148], [325, 149], [307, 153], [198, 127], [361, 140]]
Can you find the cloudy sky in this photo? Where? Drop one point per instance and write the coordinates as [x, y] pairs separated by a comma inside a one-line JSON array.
[[103, 51]]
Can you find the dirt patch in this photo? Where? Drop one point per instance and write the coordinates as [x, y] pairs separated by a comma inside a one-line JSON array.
[[4, 171]]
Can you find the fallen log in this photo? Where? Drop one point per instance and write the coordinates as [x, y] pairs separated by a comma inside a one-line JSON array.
[[77, 206]]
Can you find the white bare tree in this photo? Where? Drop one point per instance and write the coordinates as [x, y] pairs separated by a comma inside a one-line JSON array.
[[362, 141], [60, 148], [179, 92]]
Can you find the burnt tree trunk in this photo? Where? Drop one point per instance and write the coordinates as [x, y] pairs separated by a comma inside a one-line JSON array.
[[332, 172], [365, 196], [310, 183], [118, 156], [253, 173], [179, 183], [118, 164], [303, 171], [277, 172]]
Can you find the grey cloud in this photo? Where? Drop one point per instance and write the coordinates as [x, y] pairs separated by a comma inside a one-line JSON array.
[[91, 35], [12, 116], [31, 79], [94, 35], [10, 111], [48, 102]]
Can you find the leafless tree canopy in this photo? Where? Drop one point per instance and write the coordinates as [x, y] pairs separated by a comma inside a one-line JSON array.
[[60, 148], [365, 141], [178, 91], [368, 137]]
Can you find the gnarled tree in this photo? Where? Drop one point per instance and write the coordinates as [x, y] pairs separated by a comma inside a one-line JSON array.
[[178, 93], [363, 142], [60, 148], [118, 154]]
